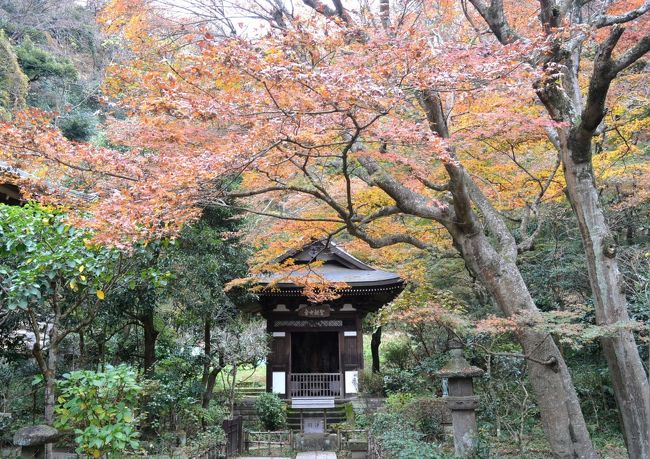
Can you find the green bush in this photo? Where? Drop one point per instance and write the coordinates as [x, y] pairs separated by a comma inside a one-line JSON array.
[[371, 383], [397, 401], [398, 354], [400, 439], [271, 411], [99, 407], [427, 414], [80, 127], [39, 63], [396, 381]]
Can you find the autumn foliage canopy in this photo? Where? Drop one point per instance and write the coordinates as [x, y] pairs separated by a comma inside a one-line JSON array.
[[287, 114]]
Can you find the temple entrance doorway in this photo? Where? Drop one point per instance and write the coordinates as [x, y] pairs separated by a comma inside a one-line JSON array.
[[315, 352]]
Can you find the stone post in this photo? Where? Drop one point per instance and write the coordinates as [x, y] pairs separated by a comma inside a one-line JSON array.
[[32, 440], [461, 400]]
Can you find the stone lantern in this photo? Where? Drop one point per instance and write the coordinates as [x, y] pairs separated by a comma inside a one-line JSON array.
[[461, 400], [33, 440]]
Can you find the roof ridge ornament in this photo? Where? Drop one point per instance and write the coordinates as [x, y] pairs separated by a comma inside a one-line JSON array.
[[324, 249]]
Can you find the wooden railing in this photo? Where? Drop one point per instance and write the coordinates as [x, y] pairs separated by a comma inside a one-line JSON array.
[[270, 442], [315, 385]]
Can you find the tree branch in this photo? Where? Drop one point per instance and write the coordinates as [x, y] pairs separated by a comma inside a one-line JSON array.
[[604, 20], [633, 54], [385, 241], [494, 222], [407, 200], [528, 242], [594, 110], [327, 11], [434, 186], [275, 215], [495, 18]]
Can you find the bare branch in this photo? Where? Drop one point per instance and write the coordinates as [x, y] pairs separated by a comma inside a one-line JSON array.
[[385, 241], [385, 211], [327, 11], [603, 20], [407, 200], [495, 18], [276, 215], [633, 54], [434, 186], [495, 223], [594, 110], [528, 242]]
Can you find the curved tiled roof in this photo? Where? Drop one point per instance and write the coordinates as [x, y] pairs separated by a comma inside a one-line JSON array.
[[337, 266]]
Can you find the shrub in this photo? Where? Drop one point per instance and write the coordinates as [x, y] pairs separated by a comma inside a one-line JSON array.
[[371, 383], [204, 440], [398, 438], [427, 414], [271, 411], [78, 127], [398, 400], [38, 63], [398, 354], [396, 380], [99, 406]]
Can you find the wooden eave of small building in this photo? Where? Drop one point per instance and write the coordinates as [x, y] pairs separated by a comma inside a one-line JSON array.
[[10, 192]]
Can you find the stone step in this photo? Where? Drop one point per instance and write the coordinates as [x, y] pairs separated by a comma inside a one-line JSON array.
[[250, 391], [334, 415], [316, 455]]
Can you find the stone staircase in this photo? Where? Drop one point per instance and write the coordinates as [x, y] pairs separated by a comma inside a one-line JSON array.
[[245, 407], [252, 391], [245, 404], [335, 415]]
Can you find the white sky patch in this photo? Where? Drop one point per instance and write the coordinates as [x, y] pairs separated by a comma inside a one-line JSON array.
[[245, 17]]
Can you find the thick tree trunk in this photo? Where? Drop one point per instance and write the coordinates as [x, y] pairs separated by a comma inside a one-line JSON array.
[[629, 379], [209, 386], [209, 373], [207, 350], [150, 336], [50, 385], [549, 376], [375, 342], [232, 391], [101, 350], [49, 377]]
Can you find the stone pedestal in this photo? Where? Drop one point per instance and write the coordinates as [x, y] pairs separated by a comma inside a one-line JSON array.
[[32, 440], [461, 400]]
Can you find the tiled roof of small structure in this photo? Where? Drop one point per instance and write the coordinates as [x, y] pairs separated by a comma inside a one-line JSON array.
[[10, 174], [337, 266]]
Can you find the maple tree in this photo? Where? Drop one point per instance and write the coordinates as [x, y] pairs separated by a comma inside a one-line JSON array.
[[621, 40], [385, 127]]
